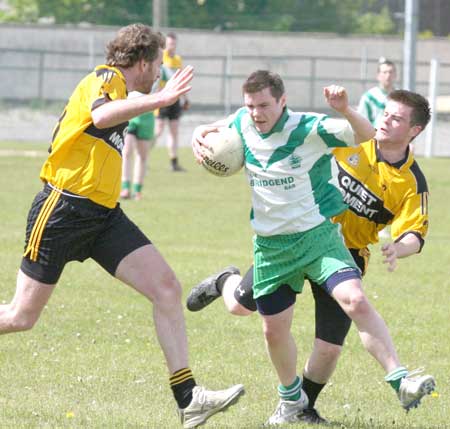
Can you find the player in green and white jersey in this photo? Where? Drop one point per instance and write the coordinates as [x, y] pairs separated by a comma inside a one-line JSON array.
[[291, 172], [372, 102]]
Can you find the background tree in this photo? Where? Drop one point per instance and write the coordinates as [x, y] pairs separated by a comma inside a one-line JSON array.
[[331, 16]]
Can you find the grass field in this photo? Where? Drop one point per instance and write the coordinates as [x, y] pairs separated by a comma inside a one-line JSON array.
[[93, 361]]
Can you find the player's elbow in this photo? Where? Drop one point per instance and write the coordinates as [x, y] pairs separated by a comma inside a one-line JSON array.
[[100, 120]]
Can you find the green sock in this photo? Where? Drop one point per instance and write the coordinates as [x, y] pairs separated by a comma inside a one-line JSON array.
[[394, 378], [126, 185], [292, 392], [137, 187]]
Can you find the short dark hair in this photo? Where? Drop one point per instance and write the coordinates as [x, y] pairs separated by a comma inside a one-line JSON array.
[[421, 112], [172, 35], [383, 61], [262, 79], [132, 44]]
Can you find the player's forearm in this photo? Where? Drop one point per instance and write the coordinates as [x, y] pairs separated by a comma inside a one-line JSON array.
[[408, 245], [362, 128], [119, 111]]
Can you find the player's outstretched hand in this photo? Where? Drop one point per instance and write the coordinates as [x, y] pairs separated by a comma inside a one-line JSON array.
[[198, 142], [336, 97], [390, 256], [176, 86]]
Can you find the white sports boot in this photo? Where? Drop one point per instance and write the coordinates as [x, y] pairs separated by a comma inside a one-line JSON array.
[[206, 403], [414, 387], [288, 411]]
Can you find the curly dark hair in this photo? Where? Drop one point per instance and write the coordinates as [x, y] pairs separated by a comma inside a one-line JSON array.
[[262, 79], [132, 44]]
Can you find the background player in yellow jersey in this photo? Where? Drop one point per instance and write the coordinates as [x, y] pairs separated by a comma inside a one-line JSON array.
[[375, 200], [76, 216], [171, 63]]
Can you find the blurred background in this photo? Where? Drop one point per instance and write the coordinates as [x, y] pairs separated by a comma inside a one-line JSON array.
[[47, 46]]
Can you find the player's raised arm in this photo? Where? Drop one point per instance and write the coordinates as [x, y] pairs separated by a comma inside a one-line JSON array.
[[118, 111], [337, 99]]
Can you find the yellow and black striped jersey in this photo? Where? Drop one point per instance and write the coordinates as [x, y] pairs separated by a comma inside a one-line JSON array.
[[83, 159], [378, 194]]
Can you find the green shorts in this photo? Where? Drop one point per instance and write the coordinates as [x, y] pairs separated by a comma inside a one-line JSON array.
[[288, 259], [143, 126]]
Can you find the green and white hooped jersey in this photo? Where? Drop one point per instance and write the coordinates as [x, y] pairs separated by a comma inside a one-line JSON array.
[[291, 170], [372, 104]]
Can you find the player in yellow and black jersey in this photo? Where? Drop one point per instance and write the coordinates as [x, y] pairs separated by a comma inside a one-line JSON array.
[[382, 185], [85, 159], [76, 216], [380, 193]]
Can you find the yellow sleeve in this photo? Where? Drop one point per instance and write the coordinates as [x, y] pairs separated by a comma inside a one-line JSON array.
[[412, 217]]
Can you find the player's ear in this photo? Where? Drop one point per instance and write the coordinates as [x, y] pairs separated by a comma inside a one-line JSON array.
[[415, 131], [142, 64], [283, 100]]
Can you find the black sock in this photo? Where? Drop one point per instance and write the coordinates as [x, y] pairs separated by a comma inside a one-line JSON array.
[[182, 382], [174, 162], [312, 389], [220, 283]]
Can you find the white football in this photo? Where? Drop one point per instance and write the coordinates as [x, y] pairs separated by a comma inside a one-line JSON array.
[[226, 154]]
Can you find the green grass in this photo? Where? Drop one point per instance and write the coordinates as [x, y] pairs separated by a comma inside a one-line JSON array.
[[93, 361]]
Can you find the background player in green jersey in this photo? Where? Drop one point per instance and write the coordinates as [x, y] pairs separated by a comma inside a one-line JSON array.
[[138, 141], [373, 101], [76, 216], [266, 108]]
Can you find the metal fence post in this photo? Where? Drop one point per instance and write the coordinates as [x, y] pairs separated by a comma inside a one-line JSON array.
[[364, 69], [41, 76], [228, 68], [434, 69], [312, 82]]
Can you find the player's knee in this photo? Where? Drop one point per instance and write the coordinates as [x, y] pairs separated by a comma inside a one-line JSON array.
[[357, 305], [22, 321], [273, 335], [238, 310], [169, 290]]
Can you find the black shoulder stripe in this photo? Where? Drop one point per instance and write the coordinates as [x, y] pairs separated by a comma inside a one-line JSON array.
[[99, 102], [420, 178], [105, 74]]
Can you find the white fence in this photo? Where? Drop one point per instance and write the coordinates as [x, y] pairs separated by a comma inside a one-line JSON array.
[[50, 75]]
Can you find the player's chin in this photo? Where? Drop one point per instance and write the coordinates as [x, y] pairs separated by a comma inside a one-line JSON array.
[[262, 127], [146, 89], [381, 135]]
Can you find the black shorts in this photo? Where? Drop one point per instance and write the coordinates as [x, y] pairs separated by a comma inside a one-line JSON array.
[[171, 112], [332, 324], [278, 301], [63, 228]]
